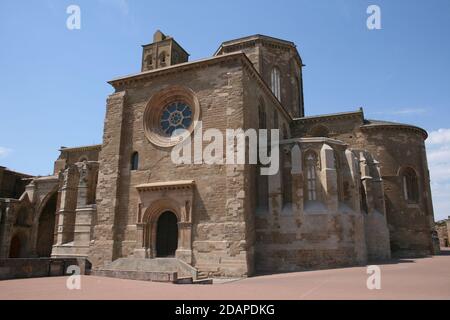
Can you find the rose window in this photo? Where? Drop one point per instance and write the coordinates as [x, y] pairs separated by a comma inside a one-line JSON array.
[[176, 115]]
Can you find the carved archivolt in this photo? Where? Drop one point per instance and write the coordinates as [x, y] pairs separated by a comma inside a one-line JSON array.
[[156, 198]]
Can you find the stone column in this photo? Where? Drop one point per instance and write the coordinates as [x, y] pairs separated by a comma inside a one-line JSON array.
[[329, 177], [378, 188], [297, 181], [275, 197], [184, 251], [6, 228], [102, 249], [85, 210], [366, 181], [355, 180], [66, 212], [140, 250]]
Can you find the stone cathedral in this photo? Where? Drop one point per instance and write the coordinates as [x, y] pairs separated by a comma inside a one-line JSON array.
[[349, 189]]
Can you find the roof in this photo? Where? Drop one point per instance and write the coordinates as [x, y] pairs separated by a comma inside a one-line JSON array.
[[375, 124], [25, 175], [143, 76], [172, 67], [357, 113], [256, 37], [262, 37]]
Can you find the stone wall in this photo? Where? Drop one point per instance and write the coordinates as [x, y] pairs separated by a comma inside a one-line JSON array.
[[395, 147], [43, 267], [12, 184], [307, 234], [218, 222]]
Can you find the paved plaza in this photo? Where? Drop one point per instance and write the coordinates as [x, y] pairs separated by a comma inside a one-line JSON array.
[[425, 278]]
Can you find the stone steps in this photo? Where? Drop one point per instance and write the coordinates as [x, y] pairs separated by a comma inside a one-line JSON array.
[[159, 269]]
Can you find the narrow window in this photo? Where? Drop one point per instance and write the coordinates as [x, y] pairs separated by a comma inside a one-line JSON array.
[[410, 185], [311, 176], [276, 83], [162, 58], [149, 60], [297, 103], [262, 182], [134, 161], [286, 177], [262, 116]]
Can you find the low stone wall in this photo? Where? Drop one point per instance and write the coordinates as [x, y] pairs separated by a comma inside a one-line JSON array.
[[40, 267]]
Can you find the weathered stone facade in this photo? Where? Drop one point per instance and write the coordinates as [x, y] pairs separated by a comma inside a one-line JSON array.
[[349, 190]]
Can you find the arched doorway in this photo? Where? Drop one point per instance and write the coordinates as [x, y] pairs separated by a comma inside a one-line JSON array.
[[46, 229], [166, 235], [16, 247]]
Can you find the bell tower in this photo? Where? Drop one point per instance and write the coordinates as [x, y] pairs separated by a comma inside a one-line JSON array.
[[163, 52]]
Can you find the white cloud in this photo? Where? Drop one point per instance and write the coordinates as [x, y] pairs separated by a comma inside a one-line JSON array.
[[440, 136], [4, 152], [403, 111], [438, 154]]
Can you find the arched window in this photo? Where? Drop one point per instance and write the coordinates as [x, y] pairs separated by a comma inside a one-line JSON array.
[[276, 82], [149, 60], [134, 161], [311, 176], [296, 97], [162, 58], [261, 181], [410, 185], [262, 115]]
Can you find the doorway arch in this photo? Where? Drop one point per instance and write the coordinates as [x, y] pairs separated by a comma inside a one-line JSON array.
[[46, 228], [166, 235], [15, 250]]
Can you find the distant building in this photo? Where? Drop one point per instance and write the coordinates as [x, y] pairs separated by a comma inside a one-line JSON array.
[[443, 231]]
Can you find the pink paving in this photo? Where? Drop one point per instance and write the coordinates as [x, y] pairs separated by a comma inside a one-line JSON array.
[[426, 278]]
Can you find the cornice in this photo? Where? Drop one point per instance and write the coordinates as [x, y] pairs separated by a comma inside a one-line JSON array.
[[177, 68], [81, 148], [169, 185]]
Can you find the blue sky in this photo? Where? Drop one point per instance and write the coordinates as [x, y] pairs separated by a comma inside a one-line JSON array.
[[53, 80]]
